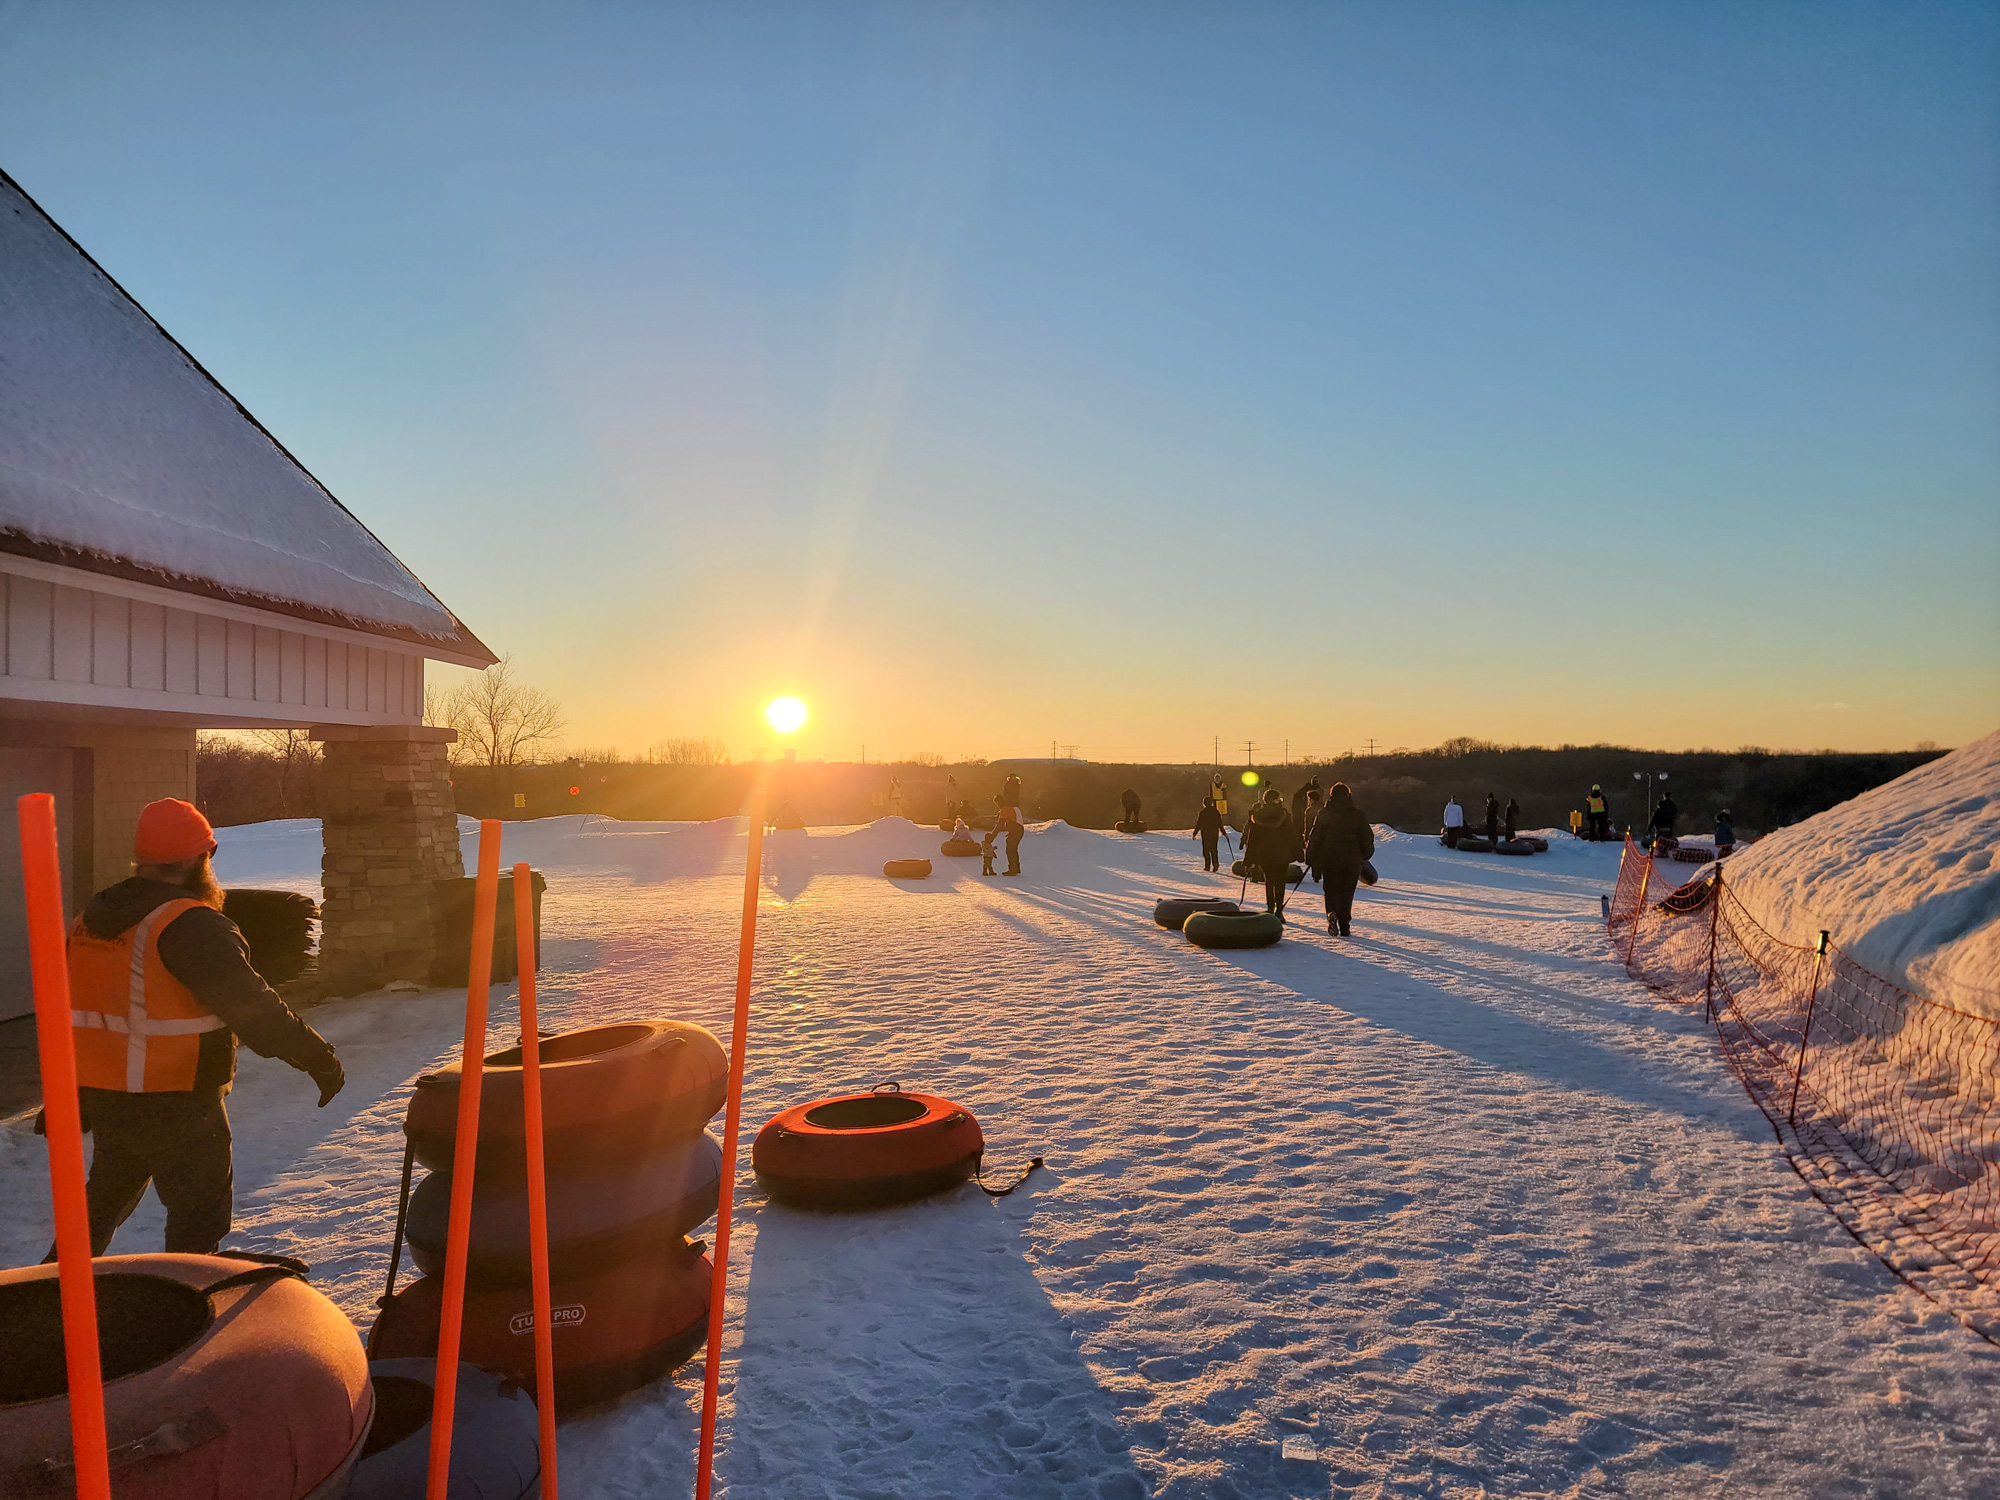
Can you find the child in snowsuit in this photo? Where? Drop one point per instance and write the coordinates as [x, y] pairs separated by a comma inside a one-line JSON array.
[[986, 852], [1208, 828]]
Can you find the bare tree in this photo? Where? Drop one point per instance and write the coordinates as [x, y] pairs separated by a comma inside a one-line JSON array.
[[297, 759], [689, 750], [500, 720]]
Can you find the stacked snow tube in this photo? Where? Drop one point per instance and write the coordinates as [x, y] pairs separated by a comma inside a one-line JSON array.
[[959, 848], [222, 1381], [1172, 912], [630, 1171], [1514, 846], [1243, 929], [866, 1150], [907, 869], [1472, 844], [277, 926], [495, 1439]]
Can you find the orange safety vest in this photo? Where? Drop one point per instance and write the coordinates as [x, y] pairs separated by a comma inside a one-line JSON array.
[[137, 1028]]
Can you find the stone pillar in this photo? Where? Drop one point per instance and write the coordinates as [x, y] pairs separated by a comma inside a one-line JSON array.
[[390, 833]]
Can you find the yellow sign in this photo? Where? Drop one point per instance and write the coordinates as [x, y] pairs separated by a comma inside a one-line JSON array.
[[520, 799]]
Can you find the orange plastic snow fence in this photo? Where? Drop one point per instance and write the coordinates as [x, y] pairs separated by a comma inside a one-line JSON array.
[[538, 1187], [465, 1150], [732, 1120], [41, 875]]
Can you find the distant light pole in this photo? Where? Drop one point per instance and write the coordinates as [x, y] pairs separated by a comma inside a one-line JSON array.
[[1649, 777]]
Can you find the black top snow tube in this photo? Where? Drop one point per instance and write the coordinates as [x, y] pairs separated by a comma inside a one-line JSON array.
[[1172, 912], [907, 869], [1514, 846], [1249, 929], [496, 1449], [595, 1218]]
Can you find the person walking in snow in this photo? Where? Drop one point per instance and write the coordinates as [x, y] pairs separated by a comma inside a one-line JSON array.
[[1208, 828], [1314, 804], [161, 991], [1270, 844], [1454, 822], [1007, 823], [1341, 843], [1598, 812], [1130, 802], [1512, 818], [1299, 800], [1492, 818], [1665, 815]]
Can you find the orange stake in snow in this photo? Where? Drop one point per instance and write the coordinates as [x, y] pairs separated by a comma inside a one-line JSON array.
[[458, 1233], [746, 951], [41, 875], [538, 1188]]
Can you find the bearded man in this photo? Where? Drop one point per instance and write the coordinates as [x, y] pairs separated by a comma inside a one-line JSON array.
[[161, 990]]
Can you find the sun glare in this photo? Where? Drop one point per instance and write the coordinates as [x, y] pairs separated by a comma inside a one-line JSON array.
[[1251, 778], [786, 715]]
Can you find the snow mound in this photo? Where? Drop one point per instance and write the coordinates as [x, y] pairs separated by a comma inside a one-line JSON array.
[[117, 445], [1902, 876]]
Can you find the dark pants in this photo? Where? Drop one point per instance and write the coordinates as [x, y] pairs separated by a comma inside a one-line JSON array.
[[1340, 881], [1493, 830], [1210, 858], [178, 1142], [1600, 825], [1274, 890], [1014, 850], [1453, 835]]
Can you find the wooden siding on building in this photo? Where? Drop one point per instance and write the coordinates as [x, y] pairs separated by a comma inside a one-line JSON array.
[[60, 643]]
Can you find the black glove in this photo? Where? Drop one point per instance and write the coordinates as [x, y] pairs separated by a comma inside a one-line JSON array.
[[327, 1072]]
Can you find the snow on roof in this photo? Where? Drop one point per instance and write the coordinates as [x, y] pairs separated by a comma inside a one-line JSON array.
[[1902, 876], [119, 454]]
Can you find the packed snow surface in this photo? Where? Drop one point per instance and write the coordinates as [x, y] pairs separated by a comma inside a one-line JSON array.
[[1451, 1208], [114, 443], [1902, 876]]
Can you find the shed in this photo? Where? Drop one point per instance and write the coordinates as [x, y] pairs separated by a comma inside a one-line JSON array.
[[167, 566]]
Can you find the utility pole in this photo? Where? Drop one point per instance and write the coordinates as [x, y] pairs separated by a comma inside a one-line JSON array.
[[1371, 747], [1249, 750], [1288, 755], [1215, 753]]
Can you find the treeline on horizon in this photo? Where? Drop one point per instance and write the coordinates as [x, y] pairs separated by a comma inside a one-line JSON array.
[[237, 783]]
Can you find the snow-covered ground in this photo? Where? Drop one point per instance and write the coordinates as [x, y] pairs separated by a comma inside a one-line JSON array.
[[1902, 876], [1454, 1200]]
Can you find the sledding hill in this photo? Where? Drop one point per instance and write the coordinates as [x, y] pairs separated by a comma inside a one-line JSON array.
[[1902, 876]]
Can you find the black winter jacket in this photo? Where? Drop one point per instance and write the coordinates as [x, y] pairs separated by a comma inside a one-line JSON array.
[[1341, 839], [205, 952], [1271, 840], [1208, 823]]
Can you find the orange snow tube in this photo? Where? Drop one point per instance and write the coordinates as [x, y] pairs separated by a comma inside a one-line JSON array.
[[608, 1093], [615, 1329], [222, 1379], [867, 1150]]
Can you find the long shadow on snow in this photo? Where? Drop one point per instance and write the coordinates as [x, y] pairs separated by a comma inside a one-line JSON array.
[[1484, 1032], [912, 1352]]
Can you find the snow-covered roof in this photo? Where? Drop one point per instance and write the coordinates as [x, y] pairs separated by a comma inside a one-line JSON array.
[[120, 455], [1902, 876]]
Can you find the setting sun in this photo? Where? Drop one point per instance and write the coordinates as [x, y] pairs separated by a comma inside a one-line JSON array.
[[786, 715]]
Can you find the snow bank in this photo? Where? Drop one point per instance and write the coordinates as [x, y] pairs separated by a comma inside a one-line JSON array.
[[1902, 876], [115, 444]]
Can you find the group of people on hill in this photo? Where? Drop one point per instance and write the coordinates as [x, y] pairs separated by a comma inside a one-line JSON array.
[[1661, 828], [1501, 823], [1323, 828]]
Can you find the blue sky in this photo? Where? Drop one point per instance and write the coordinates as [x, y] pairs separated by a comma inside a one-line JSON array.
[[1118, 374]]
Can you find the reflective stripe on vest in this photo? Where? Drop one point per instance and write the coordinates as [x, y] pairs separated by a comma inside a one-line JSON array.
[[137, 1024]]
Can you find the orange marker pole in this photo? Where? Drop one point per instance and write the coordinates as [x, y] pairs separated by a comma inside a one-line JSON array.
[[732, 1120], [458, 1232], [48, 957], [538, 1187]]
